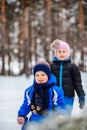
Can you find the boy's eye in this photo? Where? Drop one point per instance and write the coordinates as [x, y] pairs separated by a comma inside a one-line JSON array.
[[37, 75], [43, 75], [40, 75]]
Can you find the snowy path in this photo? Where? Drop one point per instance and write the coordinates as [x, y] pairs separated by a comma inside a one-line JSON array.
[[11, 96]]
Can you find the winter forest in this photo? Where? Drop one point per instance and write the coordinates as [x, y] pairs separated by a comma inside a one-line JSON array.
[[28, 27]]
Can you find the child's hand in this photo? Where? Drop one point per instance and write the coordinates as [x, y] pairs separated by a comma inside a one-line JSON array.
[[20, 120], [38, 108], [81, 102]]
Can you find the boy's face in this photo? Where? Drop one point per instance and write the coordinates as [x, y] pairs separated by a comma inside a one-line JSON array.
[[41, 77], [61, 54]]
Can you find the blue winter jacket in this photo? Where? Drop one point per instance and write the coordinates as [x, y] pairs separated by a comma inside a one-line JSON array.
[[56, 101]]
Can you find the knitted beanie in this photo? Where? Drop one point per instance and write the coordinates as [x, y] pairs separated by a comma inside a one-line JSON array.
[[42, 66], [59, 44]]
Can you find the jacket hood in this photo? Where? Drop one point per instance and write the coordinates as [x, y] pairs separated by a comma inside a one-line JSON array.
[[52, 79]]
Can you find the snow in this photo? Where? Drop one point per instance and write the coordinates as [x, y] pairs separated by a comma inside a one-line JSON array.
[[11, 97]]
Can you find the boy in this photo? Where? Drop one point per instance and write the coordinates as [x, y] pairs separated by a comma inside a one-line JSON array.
[[42, 97]]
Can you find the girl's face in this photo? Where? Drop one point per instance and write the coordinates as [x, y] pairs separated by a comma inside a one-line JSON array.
[[61, 54], [41, 77]]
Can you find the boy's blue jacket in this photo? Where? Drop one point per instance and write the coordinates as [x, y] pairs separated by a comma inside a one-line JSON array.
[[56, 101]]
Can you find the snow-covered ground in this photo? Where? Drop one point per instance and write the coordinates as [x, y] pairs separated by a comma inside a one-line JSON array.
[[11, 97]]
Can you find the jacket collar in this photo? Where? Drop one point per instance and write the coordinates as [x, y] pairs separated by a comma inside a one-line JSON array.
[[55, 60]]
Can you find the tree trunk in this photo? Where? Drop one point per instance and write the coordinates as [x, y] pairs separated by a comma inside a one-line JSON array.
[[3, 20], [81, 34]]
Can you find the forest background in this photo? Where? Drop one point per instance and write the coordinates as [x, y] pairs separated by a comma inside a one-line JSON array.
[[28, 27]]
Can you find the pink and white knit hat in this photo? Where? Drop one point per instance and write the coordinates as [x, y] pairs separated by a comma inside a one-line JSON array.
[[59, 44]]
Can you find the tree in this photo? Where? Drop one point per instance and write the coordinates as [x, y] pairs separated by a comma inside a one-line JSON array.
[[29, 26], [3, 28]]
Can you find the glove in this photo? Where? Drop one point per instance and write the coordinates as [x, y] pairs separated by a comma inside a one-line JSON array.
[[81, 102]]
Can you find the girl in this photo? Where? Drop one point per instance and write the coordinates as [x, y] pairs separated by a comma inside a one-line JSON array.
[[67, 75]]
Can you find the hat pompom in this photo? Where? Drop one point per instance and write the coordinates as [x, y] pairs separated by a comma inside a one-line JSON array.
[[54, 44], [59, 44]]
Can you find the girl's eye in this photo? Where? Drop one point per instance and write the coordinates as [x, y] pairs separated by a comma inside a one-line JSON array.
[[59, 51], [63, 51]]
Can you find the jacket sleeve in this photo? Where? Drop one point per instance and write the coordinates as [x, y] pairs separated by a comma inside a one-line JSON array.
[[58, 99], [76, 77], [25, 108]]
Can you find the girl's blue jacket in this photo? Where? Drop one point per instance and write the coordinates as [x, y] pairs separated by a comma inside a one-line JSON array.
[[56, 101]]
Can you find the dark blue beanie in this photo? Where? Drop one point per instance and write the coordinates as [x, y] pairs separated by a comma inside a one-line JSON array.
[[42, 67]]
